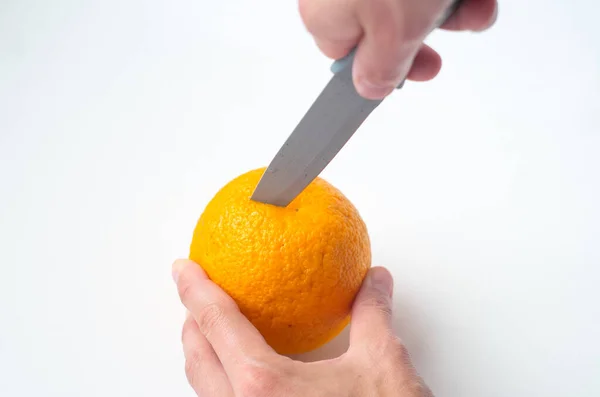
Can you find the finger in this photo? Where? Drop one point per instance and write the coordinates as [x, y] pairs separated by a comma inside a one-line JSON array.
[[426, 66], [333, 24], [475, 15], [234, 339], [335, 49], [372, 309], [372, 341], [393, 35], [203, 369]]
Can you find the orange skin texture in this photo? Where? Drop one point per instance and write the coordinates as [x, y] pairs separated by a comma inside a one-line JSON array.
[[295, 271]]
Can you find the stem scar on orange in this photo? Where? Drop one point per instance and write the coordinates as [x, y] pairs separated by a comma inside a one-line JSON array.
[[295, 271]]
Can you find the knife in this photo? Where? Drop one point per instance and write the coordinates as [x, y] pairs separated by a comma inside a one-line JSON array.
[[329, 123]]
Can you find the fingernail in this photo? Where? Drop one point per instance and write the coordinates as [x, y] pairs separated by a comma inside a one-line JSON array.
[[371, 90], [381, 279]]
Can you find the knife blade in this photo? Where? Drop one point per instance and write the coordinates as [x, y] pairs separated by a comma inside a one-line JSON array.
[[326, 127]]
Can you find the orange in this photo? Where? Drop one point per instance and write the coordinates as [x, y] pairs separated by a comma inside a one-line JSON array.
[[295, 271]]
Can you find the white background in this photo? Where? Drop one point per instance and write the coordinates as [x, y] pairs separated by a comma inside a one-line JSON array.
[[120, 119]]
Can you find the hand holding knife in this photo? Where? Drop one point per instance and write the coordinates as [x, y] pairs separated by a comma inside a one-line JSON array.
[[329, 123]]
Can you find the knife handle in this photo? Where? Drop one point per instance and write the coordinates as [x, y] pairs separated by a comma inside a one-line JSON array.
[[347, 61]]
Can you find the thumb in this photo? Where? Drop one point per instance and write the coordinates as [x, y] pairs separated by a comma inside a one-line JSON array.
[[372, 309]]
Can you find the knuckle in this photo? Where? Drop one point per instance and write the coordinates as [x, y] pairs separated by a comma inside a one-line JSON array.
[[388, 352], [395, 359], [398, 352], [384, 350], [384, 19], [259, 381], [415, 387], [380, 303], [210, 317]]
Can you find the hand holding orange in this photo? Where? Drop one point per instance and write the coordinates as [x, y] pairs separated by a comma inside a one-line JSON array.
[[295, 271]]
